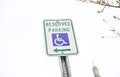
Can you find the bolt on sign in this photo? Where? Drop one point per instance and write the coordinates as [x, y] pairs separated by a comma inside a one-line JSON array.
[[60, 37]]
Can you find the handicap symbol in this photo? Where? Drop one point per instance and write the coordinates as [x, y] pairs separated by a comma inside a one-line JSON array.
[[60, 39]]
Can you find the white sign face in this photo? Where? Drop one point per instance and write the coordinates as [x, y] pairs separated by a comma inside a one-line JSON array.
[[59, 37]]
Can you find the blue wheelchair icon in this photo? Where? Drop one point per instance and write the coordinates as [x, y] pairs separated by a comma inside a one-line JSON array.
[[60, 39]]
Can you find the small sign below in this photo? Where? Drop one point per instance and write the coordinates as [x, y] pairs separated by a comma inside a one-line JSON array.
[[60, 37]]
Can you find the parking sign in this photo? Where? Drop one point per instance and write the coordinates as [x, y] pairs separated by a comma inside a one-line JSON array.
[[60, 37]]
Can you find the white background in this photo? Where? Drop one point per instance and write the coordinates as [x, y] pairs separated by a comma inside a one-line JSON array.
[[22, 45]]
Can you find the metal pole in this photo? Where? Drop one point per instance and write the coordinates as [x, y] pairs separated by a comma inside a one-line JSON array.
[[65, 67]]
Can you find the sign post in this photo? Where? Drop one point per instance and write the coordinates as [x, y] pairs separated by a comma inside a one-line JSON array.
[[65, 67], [60, 41]]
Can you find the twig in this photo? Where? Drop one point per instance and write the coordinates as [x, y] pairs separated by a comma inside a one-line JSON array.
[[101, 10], [115, 17], [113, 30], [102, 3]]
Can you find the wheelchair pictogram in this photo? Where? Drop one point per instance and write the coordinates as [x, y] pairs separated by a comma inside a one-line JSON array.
[[60, 39]]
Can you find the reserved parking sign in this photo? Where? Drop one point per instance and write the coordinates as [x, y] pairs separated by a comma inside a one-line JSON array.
[[60, 37]]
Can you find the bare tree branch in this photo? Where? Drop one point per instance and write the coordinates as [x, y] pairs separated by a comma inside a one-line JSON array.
[[115, 17], [113, 30], [107, 3], [103, 3], [101, 10]]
